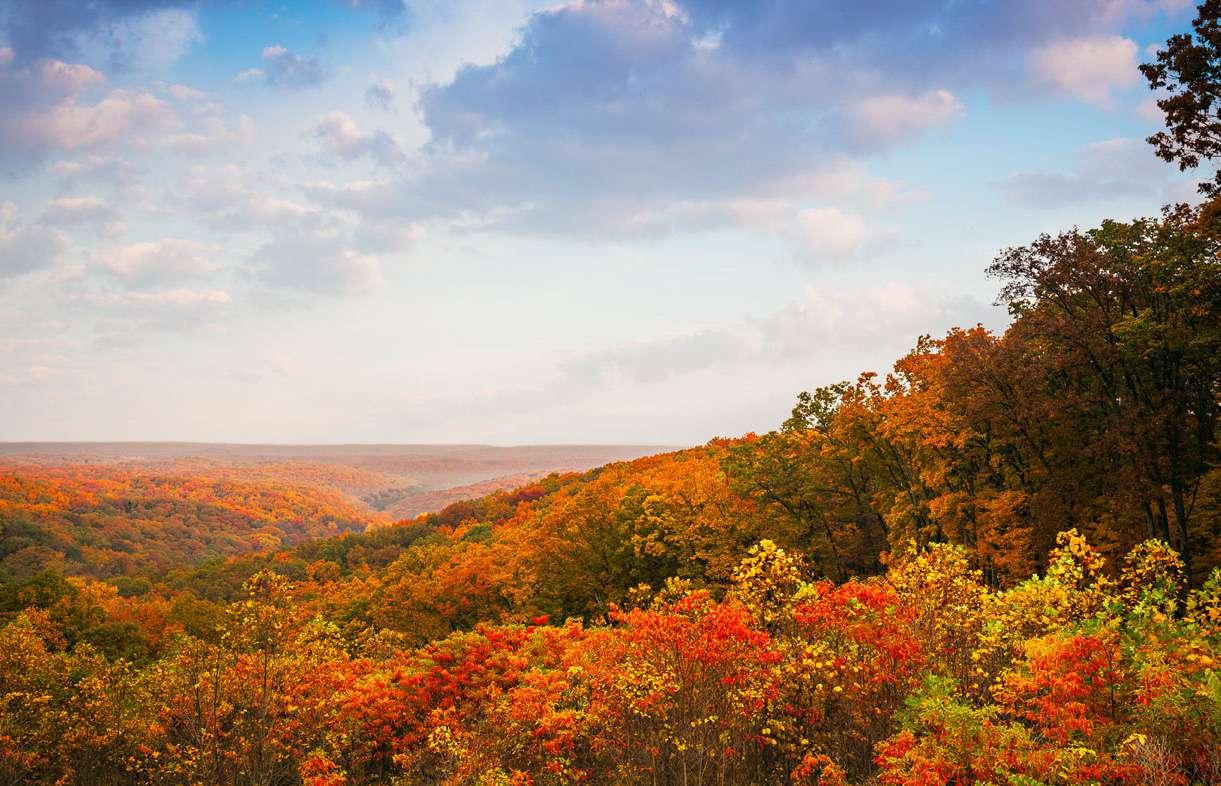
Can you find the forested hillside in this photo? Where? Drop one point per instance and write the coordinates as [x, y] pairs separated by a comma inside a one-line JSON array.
[[998, 562], [102, 521]]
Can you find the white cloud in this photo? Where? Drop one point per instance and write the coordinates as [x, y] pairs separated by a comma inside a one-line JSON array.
[[839, 332], [318, 262], [228, 198], [1088, 68], [339, 136], [47, 110], [83, 211], [887, 120], [158, 262], [273, 211], [815, 234], [829, 231], [380, 94], [172, 297], [185, 92], [25, 248], [1150, 111], [211, 134], [126, 318], [1108, 170], [287, 69], [94, 169], [64, 79], [123, 115]]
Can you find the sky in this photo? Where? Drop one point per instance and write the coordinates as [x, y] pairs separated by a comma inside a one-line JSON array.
[[508, 222]]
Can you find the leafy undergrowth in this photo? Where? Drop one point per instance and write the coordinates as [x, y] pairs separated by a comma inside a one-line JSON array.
[[923, 675]]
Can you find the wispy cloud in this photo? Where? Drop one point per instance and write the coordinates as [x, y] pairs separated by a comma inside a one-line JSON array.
[[286, 69]]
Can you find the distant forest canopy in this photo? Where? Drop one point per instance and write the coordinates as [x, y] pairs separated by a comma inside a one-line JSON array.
[[997, 563], [127, 509], [109, 521]]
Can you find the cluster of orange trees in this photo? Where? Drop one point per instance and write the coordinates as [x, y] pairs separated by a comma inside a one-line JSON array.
[[996, 564], [921, 675]]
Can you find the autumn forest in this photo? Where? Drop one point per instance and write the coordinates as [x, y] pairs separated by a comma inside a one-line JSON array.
[[996, 562]]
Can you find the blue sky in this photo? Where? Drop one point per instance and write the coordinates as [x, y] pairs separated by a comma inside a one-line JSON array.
[[522, 222]]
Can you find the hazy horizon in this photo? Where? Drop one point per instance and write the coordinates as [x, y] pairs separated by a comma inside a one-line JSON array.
[[14, 443]]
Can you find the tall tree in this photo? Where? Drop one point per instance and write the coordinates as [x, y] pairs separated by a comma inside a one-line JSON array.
[[1123, 325], [1189, 69]]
